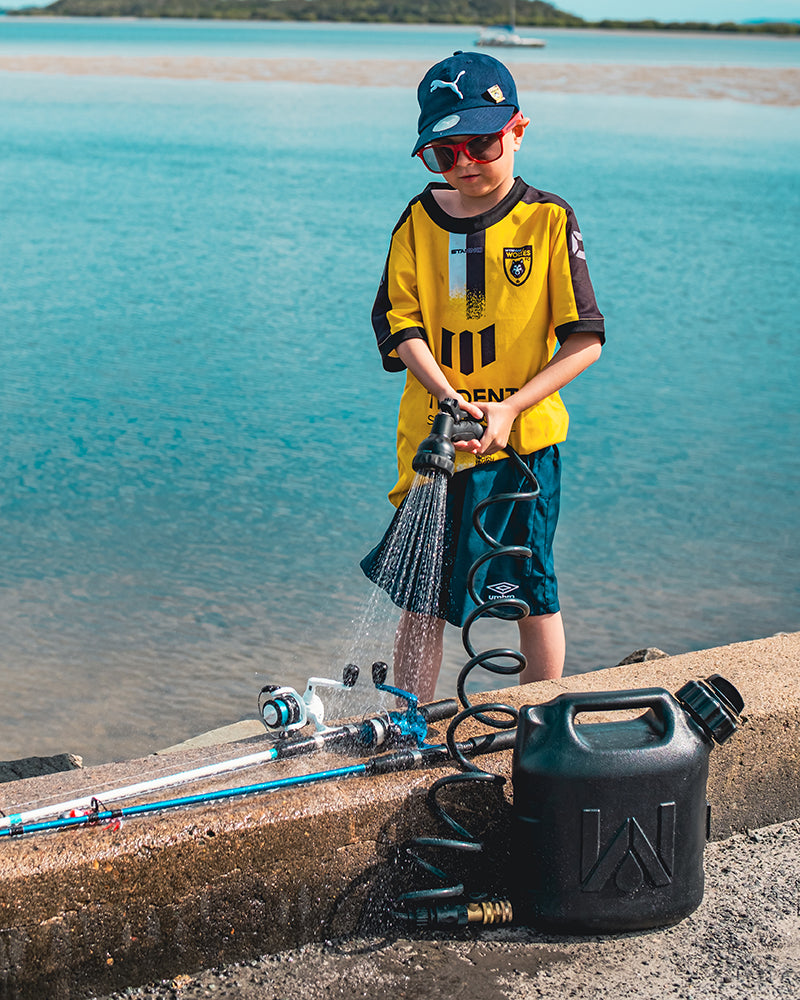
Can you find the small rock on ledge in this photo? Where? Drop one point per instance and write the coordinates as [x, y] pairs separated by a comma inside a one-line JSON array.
[[640, 655], [33, 767]]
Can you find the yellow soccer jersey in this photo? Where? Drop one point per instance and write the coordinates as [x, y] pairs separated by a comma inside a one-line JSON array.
[[492, 295]]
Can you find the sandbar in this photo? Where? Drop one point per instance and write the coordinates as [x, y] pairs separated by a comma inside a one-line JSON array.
[[752, 85]]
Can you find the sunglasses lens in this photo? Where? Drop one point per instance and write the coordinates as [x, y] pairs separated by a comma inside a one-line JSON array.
[[484, 148], [440, 159], [480, 149]]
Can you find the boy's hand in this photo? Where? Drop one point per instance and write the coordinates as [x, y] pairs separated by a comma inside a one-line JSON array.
[[474, 411], [471, 408], [499, 419]]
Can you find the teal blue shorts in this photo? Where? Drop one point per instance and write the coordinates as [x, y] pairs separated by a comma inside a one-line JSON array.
[[530, 523]]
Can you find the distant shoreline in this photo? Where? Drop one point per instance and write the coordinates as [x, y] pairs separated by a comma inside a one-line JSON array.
[[745, 84], [210, 12]]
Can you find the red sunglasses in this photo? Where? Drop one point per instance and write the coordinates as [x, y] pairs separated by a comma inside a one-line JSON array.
[[441, 156]]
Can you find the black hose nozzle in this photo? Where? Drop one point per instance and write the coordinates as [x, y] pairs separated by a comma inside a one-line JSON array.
[[450, 424]]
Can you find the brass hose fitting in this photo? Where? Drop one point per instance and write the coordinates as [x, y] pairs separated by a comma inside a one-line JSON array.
[[497, 911]]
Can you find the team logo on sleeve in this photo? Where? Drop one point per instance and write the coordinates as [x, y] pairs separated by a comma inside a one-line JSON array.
[[518, 263], [576, 245]]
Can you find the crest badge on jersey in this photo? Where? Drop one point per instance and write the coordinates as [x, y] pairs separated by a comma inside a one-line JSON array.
[[518, 263]]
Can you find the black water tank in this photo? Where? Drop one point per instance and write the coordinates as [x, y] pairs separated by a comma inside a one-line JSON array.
[[610, 818]]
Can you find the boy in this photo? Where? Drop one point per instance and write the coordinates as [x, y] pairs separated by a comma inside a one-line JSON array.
[[485, 298]]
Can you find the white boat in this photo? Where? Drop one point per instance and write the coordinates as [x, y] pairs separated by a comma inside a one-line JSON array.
[[506, 36]]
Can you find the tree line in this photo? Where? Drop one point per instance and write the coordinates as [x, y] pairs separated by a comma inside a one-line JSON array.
[[529, 13]]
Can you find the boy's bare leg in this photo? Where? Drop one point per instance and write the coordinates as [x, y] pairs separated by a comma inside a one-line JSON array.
[[542, 643], [418, 654]]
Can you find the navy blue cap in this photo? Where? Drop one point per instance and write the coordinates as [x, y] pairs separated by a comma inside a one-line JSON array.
[[468, 93]]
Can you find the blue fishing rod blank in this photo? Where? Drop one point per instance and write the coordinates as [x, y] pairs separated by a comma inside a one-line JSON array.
[[400, 760]]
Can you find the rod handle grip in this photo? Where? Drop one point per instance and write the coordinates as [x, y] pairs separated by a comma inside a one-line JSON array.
[[438, 710]]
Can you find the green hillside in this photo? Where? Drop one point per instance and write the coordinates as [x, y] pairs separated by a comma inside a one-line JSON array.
[[529, 13]]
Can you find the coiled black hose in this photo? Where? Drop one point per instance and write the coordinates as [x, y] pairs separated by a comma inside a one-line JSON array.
[[445, 904], [514, 608]]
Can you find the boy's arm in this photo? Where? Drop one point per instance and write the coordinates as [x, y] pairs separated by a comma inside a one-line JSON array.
[[575, 355], [416, 356]]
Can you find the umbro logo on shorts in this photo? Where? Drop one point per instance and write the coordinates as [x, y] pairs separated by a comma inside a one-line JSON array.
[[501, 589]]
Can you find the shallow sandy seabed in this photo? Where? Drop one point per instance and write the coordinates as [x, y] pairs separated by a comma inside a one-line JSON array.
[[738, 83]]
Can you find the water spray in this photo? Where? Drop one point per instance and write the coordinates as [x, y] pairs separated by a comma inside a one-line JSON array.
[[450, 424], [446, 904]]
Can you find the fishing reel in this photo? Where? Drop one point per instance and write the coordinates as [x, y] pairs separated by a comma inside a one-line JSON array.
[[282, 709], [399, 728]]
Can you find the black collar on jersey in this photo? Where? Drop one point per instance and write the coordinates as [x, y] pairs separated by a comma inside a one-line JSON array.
[[473, 223]]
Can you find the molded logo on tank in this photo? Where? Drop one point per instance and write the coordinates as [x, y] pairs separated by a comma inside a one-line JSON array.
[[629, 856]]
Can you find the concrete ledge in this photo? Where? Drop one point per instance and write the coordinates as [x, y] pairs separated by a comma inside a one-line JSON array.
[[90, 911]]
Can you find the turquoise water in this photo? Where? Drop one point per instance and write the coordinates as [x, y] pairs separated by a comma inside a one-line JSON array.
[[197, 436], [83, 36]]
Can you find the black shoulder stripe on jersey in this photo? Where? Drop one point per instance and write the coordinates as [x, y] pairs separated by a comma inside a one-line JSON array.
[[407, 211], [388, 345], [382, 304], [532, 196], [380, 308], [591, 320], [582, 287], [581, 326]]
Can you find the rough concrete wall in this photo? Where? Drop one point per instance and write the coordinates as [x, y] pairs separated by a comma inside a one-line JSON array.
[[84, 912]]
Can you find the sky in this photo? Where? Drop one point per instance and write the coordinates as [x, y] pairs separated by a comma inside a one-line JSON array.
[[683, 10], [635, 10]]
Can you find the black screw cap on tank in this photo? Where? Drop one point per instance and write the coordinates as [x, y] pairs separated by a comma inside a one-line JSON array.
[[714, 704]]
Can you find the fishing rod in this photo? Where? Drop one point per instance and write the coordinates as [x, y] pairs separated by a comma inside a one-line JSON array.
[[386, 730], [398, 760]]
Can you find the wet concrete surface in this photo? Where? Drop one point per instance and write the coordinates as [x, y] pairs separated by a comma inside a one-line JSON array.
[[742, 941]]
